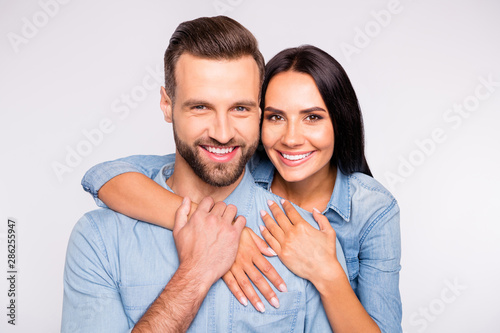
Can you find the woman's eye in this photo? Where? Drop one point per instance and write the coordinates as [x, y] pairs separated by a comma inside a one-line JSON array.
[[275, 117], [313, 117]]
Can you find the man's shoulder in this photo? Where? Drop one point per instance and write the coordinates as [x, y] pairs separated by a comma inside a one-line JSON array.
[[101, 224]]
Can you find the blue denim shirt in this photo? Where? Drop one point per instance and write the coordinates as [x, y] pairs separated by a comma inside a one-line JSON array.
[[363, 213], [117, 266]]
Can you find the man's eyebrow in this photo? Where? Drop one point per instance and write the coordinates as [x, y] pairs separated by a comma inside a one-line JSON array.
[[195, 102], [247, 102], [308, 110]]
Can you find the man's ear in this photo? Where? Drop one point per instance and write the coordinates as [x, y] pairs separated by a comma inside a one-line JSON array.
[[166, 105]]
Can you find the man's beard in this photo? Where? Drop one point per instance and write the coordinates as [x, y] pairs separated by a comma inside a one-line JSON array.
[[215, 174]]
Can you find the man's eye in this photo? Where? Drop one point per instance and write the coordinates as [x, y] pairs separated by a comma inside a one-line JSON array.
[[240, 108], [199, 107]]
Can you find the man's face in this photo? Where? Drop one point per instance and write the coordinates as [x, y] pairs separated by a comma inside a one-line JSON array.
[[215, 115]]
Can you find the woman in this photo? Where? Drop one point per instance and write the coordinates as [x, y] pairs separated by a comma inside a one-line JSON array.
[[312, 134]]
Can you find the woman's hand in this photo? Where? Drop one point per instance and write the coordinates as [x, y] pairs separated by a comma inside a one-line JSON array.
[[306, 251], [249, 260]]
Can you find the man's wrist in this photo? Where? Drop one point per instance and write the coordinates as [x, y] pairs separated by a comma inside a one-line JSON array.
[[200, 280]]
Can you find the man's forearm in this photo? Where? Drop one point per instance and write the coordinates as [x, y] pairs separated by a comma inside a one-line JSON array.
[[177, 305]]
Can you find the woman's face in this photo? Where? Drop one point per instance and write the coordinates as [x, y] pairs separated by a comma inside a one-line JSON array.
[[297, 131]]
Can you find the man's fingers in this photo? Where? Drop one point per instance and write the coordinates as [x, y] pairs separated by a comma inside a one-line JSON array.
[[181, 215], [239, 223], [219, 208], [279, 216], [232, 284], [206, 204]]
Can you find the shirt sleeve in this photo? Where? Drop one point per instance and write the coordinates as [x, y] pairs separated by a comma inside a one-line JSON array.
[[100, 174], [379, 266], [91, 301]]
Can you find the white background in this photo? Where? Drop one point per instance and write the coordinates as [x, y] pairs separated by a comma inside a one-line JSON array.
[[72, 69]]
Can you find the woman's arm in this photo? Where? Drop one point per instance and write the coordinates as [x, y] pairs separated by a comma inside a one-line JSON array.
[[311, 254], [124, 186], [135, 195]]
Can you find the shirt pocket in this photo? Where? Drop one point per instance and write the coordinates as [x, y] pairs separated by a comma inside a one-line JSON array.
[[284, 319], [137, 299]]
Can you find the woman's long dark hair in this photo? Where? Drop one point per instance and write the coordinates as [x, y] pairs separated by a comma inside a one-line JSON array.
[[339, 97]]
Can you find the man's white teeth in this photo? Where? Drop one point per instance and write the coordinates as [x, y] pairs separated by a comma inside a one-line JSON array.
[[296, 157], [220, 151]]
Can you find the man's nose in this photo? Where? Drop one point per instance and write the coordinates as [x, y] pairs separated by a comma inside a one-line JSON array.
[[222, 128]]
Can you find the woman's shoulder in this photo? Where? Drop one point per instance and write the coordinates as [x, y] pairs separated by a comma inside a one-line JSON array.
[[361, 197], [365, 184]]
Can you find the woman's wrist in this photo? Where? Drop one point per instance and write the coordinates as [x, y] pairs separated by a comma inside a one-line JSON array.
[[329, 276]]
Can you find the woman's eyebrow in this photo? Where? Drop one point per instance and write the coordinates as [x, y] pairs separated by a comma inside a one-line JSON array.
[[308, 110]]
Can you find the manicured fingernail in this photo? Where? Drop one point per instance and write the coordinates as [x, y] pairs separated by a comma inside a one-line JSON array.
[[270, 250], [282, 201], [261, 307], [261, 227], [316, 210], [244, 301], [263, 213], [270, 202], [282, 288], [274, 302]]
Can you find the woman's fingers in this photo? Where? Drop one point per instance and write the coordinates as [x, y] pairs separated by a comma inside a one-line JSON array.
[[247, 288], [261, 244], [322, 220], [261, 283], [279, 216], [292, 213], [271, 274], [233, 285], [273, 230]]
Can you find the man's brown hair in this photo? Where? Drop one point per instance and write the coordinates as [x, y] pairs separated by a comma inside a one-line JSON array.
[[217, 38]]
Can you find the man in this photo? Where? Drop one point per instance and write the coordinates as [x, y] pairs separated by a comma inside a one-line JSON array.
[[125, 275]]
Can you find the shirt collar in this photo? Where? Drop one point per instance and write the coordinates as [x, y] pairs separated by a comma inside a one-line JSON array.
[[244, 190], [341, 198]]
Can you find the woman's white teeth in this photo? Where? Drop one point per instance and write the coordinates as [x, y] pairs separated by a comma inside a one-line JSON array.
[[215, 150], [296, 157]]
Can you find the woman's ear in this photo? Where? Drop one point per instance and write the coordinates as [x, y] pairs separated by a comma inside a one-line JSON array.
[[166, 105]]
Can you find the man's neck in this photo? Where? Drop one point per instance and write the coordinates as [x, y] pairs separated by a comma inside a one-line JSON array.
[[185, 182]]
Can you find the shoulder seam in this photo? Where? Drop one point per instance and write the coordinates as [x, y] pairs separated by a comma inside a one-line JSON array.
[[376, 220], [98, 235]]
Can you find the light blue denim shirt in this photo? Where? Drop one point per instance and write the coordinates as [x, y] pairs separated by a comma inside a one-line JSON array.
[[363, 213], [117, 266]]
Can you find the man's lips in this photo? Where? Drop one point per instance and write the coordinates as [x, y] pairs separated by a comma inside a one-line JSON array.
[[220, 154], [218, 150]]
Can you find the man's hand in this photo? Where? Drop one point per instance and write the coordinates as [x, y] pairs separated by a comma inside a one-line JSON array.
[[207, 243]]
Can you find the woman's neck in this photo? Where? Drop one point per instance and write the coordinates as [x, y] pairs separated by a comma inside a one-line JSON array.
[[312, 192]]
